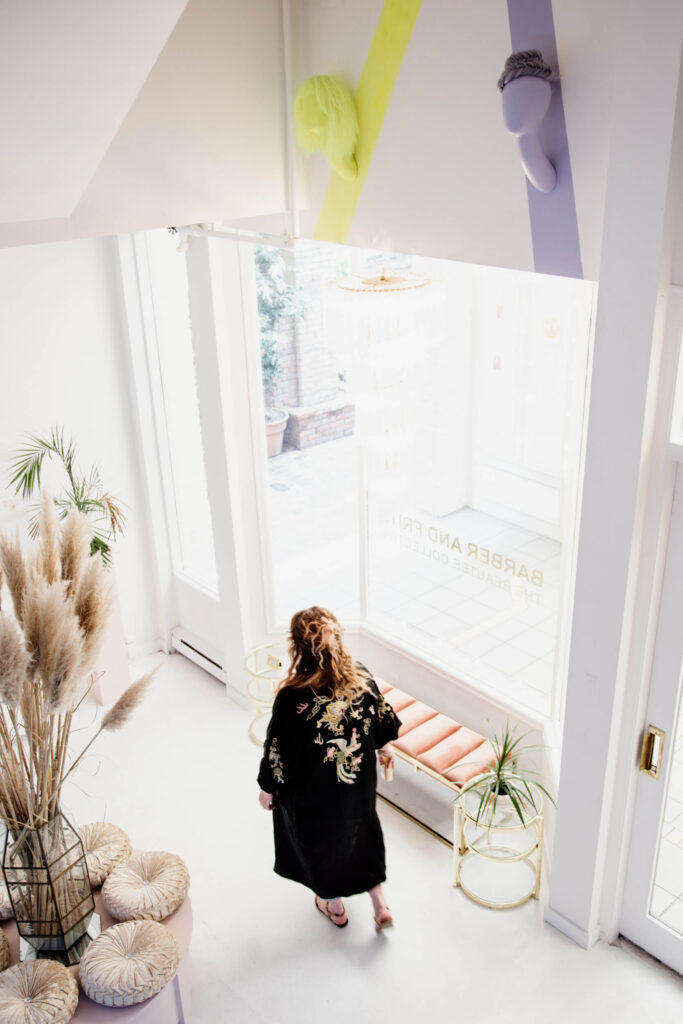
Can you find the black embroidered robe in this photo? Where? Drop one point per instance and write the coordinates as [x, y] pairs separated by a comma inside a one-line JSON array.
[[319, 762]]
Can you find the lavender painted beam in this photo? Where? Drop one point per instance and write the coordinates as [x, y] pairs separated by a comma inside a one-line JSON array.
[[554, 226]]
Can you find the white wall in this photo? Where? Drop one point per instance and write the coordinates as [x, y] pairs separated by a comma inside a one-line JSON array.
[[203, 140], [61, 130], [445, 178], [621, 468], [63, 363]]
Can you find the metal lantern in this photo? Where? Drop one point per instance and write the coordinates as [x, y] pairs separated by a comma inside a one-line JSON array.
[[47, 879]]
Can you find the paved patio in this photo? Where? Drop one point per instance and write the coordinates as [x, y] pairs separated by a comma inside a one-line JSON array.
[[473, 590]]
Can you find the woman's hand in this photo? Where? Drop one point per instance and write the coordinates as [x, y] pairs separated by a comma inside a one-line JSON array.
[[386, 756], [266, 800]]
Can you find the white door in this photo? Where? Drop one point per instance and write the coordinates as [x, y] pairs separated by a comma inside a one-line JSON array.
[[178, 328], [653, 902]]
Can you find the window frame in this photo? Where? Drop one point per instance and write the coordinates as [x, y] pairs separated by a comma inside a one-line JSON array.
[[373, 633]]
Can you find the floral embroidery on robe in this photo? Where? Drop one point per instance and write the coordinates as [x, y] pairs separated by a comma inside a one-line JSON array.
[[320, 764], [275, 761]]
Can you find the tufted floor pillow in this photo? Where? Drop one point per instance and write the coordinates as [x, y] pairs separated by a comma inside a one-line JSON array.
[[150, 885], [128, 963], [4, 952], [105, 847], [6, 911], [37, 992]]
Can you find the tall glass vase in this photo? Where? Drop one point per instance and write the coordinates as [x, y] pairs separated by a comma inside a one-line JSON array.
[[47, 879]]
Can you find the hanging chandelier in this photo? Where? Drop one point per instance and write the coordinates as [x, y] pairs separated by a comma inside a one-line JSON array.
[[385, 328], [383, 283]]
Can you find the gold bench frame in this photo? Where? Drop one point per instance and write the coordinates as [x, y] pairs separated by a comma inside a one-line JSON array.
[[459, 844]]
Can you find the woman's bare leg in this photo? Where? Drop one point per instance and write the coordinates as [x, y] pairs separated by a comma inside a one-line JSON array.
[[377, 897], [383, 918]]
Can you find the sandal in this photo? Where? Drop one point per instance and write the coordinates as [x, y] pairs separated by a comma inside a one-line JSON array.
[[383, 919], [324, 908]]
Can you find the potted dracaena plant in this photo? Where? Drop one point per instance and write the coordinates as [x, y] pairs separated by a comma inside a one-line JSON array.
[[507, 788], [49, 640]]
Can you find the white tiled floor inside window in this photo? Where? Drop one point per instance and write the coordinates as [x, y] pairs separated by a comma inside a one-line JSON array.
[[443, 596], [667, 895], [181, 777]]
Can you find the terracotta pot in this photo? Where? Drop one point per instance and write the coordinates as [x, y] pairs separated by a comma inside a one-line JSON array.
[[276, 421]]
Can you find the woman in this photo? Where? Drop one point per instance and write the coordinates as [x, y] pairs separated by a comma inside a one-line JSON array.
[[318, 774]]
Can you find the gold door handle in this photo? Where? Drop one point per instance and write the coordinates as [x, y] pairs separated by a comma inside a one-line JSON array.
[[652, 751]]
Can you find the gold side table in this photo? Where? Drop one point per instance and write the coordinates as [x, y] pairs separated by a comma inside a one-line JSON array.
[[498, 862], [266, 666]]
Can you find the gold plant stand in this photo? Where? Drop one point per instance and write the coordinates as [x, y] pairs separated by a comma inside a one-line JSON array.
[[266, 666], [498, 862]]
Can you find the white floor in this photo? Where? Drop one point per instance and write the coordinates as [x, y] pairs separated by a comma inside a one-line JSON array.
[[181, 778], [667, 895]]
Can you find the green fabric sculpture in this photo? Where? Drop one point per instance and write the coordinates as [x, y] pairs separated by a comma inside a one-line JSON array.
[[326, 121]]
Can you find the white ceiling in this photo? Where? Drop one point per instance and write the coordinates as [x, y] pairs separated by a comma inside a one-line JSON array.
[[70, 72]]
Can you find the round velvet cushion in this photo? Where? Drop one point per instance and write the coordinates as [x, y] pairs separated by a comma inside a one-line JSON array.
[[148, 886], [105, 847], [128, 963], [37, 992]]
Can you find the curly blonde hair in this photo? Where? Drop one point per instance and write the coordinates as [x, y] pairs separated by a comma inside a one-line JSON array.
[[319, 658]]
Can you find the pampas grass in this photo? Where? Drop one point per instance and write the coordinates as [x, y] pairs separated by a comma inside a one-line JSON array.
[[14, 569], [92, 600], [14, 661], [61, 595], [120, 712], [49, 541], [74, 542]]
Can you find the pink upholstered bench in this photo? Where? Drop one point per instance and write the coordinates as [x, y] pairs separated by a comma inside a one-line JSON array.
[[434, 743]]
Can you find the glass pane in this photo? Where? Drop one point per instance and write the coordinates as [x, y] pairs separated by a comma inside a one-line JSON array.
[[181, 410], [469, 394], [667, 894], [312, 464], [459, 393]]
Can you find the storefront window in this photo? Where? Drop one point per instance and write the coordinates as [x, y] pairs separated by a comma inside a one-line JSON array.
[[428, 481]]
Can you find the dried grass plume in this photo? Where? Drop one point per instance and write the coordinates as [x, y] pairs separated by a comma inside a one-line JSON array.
[[119, 713], [92, 603], [74, 547], [14, 661], [13, 565], [49, 539]]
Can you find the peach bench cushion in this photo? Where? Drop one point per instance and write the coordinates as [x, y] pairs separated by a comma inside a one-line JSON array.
[[437, 741]]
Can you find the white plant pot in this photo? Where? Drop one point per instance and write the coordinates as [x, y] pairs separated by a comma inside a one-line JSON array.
[[112, 670], [504, 806]]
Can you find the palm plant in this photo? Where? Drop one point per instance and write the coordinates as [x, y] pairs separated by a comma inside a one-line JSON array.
[[505, 778], [83, 492]]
